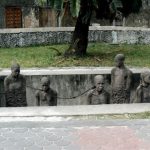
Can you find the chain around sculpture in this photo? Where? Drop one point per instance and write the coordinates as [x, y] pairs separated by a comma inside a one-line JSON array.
[[121, 78], [15, 88], [46, 96], [98, 95], [143, 90]]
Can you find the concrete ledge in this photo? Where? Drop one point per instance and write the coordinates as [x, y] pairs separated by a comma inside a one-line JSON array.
[[68, 71], [66, 111], [48, 29]]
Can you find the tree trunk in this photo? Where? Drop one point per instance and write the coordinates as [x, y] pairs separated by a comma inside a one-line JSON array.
[[79, 41]]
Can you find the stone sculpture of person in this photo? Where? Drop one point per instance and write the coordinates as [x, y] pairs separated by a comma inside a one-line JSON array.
[[46, 96], [143, 90], [15, 88], [98, 95], [121, 78]]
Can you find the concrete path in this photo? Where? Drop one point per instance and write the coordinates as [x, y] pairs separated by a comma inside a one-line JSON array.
[[75, 135], [61, 128]]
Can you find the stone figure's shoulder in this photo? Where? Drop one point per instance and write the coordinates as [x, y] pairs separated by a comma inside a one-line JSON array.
[[90, 93], [139, 89], [22, 77], [129, 71], [8, 78], [37, 93], [106, 93], [53, 92], [113, 70]]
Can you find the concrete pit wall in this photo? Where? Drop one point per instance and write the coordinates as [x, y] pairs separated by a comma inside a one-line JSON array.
[[67, 82], [38, 36]]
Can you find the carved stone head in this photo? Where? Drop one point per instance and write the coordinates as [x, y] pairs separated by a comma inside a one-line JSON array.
[[119, 60], [15, 70], [99, 82], [45, 81], [145, 77]]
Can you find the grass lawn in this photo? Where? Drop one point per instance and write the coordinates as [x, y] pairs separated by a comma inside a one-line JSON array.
[[99, 54], [144, 115]]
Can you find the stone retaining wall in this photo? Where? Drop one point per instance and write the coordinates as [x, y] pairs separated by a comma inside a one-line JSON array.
[[68, 82], [39, 36]]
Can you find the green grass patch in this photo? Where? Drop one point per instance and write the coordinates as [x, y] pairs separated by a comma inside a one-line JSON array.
[[99, 54], [144, 115]]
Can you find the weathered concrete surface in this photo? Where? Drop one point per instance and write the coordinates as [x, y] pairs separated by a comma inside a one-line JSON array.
[[76, 135], [68, 82], [67, 71], [66, 111], [38, 36]]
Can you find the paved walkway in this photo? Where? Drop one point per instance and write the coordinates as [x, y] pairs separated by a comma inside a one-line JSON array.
[[75, 135]]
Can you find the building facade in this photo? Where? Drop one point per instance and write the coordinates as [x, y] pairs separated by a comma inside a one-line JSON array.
[[28, 14], [18, 14]]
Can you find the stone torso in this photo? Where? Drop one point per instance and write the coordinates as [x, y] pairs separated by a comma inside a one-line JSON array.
[[15, 85], [120, 78], [15, 89], [96, 99], [146, 95], [48, 98]]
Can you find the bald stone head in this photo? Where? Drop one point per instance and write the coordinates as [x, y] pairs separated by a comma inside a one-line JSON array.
[[145, 77], [119, 60], [45, 81], [15, 70], [99, 82]]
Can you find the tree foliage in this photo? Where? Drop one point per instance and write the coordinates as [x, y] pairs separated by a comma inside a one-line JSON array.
[[82, 9], [104, 8], [131, 6]]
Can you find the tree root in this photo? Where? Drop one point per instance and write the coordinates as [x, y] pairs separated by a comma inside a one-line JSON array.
[[56, 50]]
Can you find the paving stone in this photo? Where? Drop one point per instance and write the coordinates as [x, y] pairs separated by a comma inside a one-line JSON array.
[[44, 143], [53, 137], [50, 130], [5, 130], [63, 132], [72, 137], [44, 134], [36, 139], [13, 147], [24, 143], [36, 130], [34, 147], [21, 130], [8, 135], [27, 134], [52, 147], [2, 138], [72, 147], [63, 142], [6, 143], [15, 139]]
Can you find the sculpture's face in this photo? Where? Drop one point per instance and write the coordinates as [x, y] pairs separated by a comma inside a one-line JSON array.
[[99, 83], [147, 79], [15, 72], [119, 63], [45, 86]]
